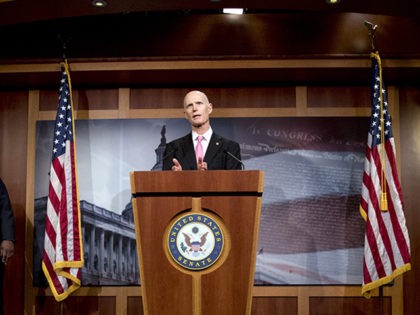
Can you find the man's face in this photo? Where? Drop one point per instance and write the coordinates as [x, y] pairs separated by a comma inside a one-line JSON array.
[[197, 109]]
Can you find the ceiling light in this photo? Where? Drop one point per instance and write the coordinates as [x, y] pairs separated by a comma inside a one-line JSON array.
[[233, 11], [99, 3], [332, 1]]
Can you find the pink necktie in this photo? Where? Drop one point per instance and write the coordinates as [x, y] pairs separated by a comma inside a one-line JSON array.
[[199, 148]]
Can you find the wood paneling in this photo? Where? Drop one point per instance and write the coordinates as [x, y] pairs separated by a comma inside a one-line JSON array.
[[82, 99], [254, 97], [322, 99], [157, 98], [86, 305], [96, 99], [48, 100], [350, 306], [222, 288], [274, 305], [339, 96], [239, 97], [13, 139], [134, 305], [410, 181], [175, 35]]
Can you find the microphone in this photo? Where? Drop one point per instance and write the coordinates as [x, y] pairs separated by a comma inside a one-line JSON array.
[[235, 158]]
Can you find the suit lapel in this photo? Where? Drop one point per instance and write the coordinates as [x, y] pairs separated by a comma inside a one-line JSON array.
[[189, 151], [215, 145]]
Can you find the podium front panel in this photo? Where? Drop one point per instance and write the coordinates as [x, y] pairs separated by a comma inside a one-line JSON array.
[[225, 287]]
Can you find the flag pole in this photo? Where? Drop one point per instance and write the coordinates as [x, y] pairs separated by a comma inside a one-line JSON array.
[[64, 42]]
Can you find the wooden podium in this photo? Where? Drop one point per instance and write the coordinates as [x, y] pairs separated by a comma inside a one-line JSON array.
[[197, 234]]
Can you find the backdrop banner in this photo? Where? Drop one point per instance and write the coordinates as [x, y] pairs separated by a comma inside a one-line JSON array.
[[311, 231]]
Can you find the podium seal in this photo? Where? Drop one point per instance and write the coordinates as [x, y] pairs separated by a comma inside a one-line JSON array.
[[195, 241]]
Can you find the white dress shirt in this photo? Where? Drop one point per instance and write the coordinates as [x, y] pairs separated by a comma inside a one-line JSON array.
[[206, 139]]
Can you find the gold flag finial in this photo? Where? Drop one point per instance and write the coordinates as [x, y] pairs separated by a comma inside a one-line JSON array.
[[372, 29]]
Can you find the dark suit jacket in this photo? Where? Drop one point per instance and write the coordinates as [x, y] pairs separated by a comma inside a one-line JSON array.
[[7, 225], [7, 229], [216, 157]]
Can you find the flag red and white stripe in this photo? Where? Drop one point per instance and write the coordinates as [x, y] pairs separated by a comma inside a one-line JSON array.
[[63, 249], [387, 244]]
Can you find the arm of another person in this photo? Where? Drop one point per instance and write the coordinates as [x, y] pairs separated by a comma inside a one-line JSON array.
[[7, 225]]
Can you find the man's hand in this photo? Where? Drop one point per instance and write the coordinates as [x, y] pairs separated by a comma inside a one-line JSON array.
[[6, 250], [176, 166], [201, 165]]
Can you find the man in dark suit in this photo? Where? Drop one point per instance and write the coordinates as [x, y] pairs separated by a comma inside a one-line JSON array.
[[216, 152], [7, 234]]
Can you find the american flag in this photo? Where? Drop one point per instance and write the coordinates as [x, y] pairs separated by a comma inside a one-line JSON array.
[[387, 245], [63, 249]]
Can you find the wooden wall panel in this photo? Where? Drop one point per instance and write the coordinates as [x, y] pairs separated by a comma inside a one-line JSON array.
[[96, 99], [134, 305], [156, 98], [410, 181], [292, 101], [274, 305], [253, 97], [48, 100], [238, 97], [86, 305], [350, 306], [339, 96], [82, 99], [13, 139]]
